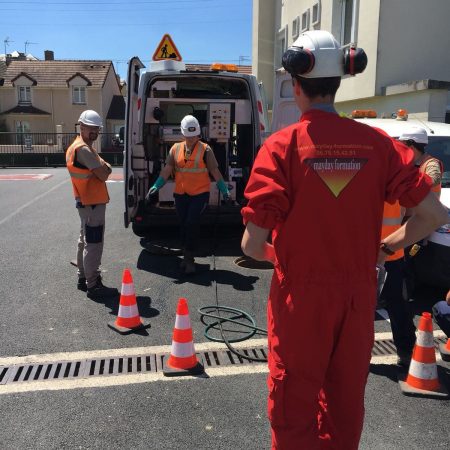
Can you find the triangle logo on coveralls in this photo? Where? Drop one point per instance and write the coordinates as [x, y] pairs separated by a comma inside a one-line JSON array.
[[336, 173]]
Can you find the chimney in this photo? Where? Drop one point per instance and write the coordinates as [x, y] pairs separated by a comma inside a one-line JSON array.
[[49, 55]]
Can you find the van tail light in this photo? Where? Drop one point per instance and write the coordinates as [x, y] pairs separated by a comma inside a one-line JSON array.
[[260, 108], [138, 219], [139, 104], [262, 127]]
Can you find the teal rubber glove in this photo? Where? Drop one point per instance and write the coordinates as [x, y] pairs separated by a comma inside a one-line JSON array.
[[159, 183], [223, 189]]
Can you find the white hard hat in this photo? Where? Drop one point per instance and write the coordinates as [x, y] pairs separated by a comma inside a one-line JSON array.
[[90, 118], [317, 54], [190, 126], [416, 134]]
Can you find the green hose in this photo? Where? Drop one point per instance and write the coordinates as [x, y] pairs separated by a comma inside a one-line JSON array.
[[250, 324], [206, 311]]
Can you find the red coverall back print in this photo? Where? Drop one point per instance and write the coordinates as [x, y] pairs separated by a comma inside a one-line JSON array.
[[319, 185]]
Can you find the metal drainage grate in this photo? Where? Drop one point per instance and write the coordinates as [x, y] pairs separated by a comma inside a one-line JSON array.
[[250, 263], [124, 365], [96, 367]]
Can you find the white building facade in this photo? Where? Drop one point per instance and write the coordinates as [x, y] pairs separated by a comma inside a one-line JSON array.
[[407, 43]]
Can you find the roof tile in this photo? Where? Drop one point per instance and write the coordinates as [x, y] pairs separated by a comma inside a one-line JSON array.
[[56, 73]]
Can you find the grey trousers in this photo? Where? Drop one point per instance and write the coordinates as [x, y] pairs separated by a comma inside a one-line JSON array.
[[90, 242]]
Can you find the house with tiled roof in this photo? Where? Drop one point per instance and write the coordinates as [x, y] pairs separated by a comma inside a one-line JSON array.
[[48, 96]]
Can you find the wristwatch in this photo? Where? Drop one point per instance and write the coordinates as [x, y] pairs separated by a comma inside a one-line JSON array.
[[384, 248]]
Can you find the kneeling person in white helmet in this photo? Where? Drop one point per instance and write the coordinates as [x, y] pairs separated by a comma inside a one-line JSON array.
[[89, 172], [192, 161]]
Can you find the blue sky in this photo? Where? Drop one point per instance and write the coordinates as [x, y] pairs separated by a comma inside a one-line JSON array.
[[203, 31]]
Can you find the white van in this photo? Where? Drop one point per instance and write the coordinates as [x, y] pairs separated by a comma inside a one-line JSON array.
[[232, 116], [286, 112], [432, 265]]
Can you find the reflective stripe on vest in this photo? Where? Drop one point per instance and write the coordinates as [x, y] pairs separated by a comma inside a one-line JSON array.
[[191, 176], [89, 189], [80, 175], [198, 154], [392, 221]]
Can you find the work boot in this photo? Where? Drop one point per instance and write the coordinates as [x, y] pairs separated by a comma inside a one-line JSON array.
[[81, 285], [189, 262], [404, 359], [183, 261], [99, 290]]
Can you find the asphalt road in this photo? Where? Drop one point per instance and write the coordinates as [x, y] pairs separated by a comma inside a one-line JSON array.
[[42, 312]]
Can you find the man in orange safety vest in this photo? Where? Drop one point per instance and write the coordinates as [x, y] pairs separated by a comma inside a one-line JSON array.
[[88, 173]]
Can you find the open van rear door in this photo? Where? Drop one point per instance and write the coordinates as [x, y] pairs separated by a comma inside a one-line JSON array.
[[284, 110], [131, 137], [263, 113]]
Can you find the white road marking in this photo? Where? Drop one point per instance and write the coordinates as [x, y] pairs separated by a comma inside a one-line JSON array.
[[25, 177], [18, 210], [125, 379], [111, 353], [122, 380]]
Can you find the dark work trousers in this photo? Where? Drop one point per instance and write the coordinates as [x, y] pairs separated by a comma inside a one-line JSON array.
[[410, 282], [443, 320], [90, 242], [400, 311], [189, 209]]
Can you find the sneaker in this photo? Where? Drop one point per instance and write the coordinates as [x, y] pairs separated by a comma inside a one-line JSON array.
[[81, 285], [99, 290]]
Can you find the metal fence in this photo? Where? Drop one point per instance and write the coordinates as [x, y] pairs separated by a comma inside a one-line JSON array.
[[52, 142], [42, 149]]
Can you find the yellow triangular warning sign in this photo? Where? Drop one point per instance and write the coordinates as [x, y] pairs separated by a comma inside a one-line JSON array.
[[166, 50]]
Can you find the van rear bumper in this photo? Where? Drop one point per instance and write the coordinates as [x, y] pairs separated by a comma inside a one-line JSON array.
[[155, 217]]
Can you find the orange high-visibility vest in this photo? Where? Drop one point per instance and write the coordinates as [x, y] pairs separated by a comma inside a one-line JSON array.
[[392, 221], [89, 189], [437, 188], [191, 175]]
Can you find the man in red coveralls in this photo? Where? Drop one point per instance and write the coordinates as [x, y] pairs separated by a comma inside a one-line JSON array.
[[318, 188]]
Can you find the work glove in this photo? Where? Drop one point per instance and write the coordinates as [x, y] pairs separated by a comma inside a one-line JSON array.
[[159, 183], [223, 190]]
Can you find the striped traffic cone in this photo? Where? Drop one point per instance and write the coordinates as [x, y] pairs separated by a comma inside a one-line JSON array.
[[444, 349], [422, 379], [128, 319], [182, 359]]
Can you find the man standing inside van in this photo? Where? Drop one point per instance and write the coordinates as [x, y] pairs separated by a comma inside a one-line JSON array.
[[192, 161], [318, 188], [89, 173]]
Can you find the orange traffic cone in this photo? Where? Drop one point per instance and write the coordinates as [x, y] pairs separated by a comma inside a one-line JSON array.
[[182, 359], [444, 349], [422, 379], [128, 319]]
